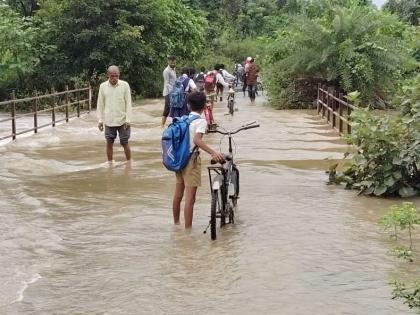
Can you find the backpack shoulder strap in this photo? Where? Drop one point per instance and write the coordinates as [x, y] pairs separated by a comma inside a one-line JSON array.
[[189, 120], [185, 83]]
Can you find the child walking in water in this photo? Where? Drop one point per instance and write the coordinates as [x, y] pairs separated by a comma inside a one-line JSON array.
[[189, 179]]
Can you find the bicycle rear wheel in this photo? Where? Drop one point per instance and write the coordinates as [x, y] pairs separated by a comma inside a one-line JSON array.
[[213, 211]]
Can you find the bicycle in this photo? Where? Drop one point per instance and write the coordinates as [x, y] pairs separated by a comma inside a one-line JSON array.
[[224, 185], [231, 101], [260, 87]]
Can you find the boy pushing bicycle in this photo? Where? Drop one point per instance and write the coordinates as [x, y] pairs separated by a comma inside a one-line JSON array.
[[189, 178]]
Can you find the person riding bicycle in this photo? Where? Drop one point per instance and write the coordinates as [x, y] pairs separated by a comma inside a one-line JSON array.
[[220, 81], [226, 75]]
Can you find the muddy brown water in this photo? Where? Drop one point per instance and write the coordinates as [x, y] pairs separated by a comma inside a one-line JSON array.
[[77, 237]]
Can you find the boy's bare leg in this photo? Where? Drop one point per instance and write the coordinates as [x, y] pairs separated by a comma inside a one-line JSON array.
[[109, 151], [189, 205], [176, 203], [127, 151]]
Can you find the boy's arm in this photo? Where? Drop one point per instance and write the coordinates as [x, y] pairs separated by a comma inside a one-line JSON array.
[[198, 141]]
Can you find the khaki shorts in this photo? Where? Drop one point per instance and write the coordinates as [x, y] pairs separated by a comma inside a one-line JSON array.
[[190, 176]]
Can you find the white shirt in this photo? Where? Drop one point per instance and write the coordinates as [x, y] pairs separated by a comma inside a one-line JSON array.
[[219, 79], [169, 78], [191, 84], [114, 103], [227, 75], [198, 125]]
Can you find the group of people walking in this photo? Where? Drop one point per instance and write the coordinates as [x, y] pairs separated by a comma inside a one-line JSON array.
[[188, 95], [213, 83]]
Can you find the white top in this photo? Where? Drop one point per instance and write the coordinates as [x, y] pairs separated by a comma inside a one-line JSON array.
[[191, 84], [114, 103], [169, 78], [219, 79], [227, 75], [198, 125]]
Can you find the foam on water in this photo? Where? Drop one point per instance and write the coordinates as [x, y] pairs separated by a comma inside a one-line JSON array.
[[25, 285]]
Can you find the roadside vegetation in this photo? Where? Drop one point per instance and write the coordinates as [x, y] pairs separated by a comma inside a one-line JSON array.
[[399, 219]]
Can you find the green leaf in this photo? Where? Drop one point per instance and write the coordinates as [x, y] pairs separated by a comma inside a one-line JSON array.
[[407, 192], [397, 175], [396, 160], [380, 190]]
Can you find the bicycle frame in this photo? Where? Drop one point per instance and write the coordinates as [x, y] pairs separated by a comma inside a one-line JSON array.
[[224, 185], [222, 170], [221, 182]]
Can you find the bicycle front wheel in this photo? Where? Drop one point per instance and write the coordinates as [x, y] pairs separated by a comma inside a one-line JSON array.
[[213, 211], [235, 180], [230, 106]]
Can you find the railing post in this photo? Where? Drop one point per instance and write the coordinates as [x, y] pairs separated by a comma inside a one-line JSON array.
[[53, 107], [35, 109], [67, 103], [13, 111], [78, 102], [348, 120], [90, 99], [323, 101], [317, 99], [340, 112], [334, 105], [329, 105]]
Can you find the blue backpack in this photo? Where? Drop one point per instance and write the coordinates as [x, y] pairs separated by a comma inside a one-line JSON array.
[[178, 97], [176, 143]]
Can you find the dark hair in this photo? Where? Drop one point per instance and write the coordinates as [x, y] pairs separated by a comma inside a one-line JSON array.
[[197, 101], [202, 69], [217, 67], [252, 60], [184, 71], [171, 57], [191, 72]]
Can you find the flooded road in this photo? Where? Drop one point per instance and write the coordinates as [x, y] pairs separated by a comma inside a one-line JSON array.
[[80, 238]]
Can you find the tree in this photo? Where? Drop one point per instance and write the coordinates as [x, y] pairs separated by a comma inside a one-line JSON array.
[[21, 47], [136, 35], [354, 48], [24, 7], [408, 10]]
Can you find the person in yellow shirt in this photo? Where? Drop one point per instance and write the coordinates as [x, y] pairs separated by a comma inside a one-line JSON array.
[[114, 112]]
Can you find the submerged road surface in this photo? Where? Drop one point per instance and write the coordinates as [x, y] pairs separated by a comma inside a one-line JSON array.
[[77, 237]]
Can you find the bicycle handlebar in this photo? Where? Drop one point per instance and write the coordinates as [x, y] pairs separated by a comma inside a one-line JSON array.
[[244, 127]]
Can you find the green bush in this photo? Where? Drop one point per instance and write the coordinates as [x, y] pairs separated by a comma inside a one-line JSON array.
[[388, 159], [352, 48]]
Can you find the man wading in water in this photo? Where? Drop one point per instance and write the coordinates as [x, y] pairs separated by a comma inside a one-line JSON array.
[[114, 111]]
